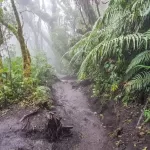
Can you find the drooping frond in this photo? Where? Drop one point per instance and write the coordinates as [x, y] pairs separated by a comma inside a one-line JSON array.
[[140, 59], [121, 34], [112, 10], [110, 48], [144, 7], [131, 41], [90, 59], [78, 46], [139, 82]]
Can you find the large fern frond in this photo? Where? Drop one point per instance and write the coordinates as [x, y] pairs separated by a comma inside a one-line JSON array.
[[108, 48], [131, 41], [143, 7], [140, 59], [139, 82]]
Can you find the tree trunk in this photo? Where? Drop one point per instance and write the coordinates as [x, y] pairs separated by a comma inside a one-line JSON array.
[[1, 62], [24, 49], [97, 7], [1, 67], [83, 17], [88, 10], [1, 36]]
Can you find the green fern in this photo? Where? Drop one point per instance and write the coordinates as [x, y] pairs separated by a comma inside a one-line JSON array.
[[140, 59], [139, 82], [117, 34]]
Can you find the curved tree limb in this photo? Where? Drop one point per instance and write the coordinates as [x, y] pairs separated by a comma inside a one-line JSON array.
[[40, 13], [9, 27]]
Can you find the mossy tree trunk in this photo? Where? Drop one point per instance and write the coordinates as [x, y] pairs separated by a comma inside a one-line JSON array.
[[24, 49]]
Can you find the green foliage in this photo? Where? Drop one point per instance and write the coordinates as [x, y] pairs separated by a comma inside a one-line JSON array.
[[116, 52], [41, 70], [15, 88], [41, 96], [139, 82], [147, 115]]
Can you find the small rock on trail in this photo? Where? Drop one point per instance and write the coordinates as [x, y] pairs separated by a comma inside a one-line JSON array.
[[72, 105]]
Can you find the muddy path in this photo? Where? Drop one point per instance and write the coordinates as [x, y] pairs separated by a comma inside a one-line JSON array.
[[73, 106]]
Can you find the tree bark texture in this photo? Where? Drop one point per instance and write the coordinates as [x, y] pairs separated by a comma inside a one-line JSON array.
[[24, 49]]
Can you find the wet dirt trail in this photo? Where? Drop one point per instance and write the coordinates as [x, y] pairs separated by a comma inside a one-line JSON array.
[[73, 106]]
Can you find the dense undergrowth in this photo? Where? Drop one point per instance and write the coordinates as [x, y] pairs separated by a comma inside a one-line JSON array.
[[116, 53], [29, 91]]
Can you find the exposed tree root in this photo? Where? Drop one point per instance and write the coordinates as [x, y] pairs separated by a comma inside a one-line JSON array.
[[53, 128], [29, 115]]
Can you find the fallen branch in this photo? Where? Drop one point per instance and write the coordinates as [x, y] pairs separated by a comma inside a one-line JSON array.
[[29, 115]]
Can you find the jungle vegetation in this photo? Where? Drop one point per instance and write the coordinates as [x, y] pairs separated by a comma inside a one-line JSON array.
[[112, 47], [34, 36], [115, 54]]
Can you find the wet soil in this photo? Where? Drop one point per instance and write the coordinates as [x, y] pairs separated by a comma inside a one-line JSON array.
[[73, 106], [96, 125], [120, 121], [11, 135]]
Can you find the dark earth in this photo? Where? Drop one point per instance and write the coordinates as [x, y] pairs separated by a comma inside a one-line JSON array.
[[94, 127]]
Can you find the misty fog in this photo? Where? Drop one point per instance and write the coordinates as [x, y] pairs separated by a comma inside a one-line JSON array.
[[50, 26]]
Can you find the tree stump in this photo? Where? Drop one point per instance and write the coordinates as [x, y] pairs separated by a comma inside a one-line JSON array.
[[53, 128]]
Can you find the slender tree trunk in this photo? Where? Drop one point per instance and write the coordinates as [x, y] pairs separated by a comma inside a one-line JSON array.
[[40, 33], [36, 40], [24, 49], [88, 10], [1, 67], [97, 7], [1, 62], [1, 36], [83, 17], [43, 5]]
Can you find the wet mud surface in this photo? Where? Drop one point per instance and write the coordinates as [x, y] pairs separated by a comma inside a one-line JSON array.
[[11, 135], [72, 105]]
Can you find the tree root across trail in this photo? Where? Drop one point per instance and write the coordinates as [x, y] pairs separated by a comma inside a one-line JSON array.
[[71, 126], [53, 129]]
